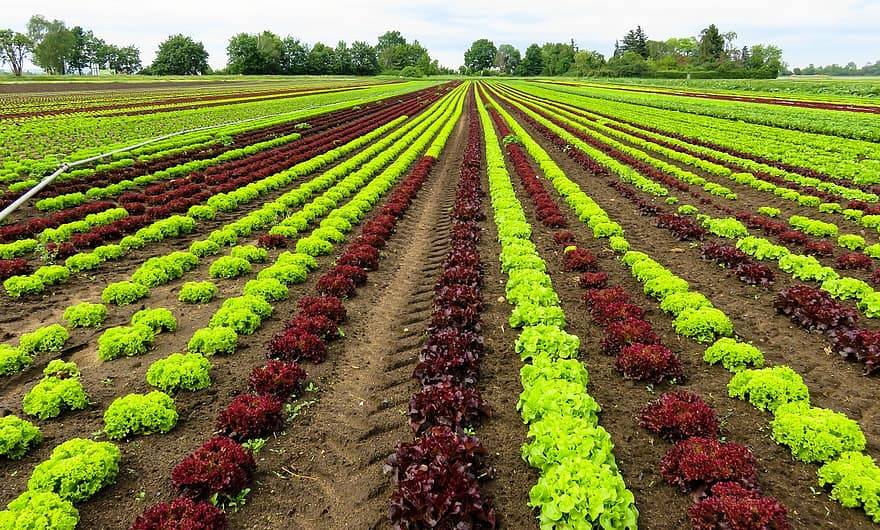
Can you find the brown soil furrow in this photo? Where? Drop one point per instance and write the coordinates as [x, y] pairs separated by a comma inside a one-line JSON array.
[[366, 383]]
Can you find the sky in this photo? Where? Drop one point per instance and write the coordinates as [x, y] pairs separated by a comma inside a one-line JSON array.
[[808, 31]]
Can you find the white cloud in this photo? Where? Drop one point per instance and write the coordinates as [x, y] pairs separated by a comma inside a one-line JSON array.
[[816, 31]]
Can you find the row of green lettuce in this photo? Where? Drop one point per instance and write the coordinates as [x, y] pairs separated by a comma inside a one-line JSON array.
[[580, 485]]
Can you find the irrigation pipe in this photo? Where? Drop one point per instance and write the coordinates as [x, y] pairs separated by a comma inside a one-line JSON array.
[[68, 165]]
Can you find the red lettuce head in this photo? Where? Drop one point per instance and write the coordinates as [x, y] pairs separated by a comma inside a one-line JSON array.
[[679, 415]]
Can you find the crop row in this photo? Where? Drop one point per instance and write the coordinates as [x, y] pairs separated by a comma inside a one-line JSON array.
[[573, 490], [812, 434], [436, 477]]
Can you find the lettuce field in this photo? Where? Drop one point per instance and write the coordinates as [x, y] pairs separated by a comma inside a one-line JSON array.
[[470, 304]]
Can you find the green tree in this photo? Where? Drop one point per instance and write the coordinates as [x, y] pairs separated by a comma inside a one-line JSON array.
[[629, 64], [588, 62], [532, 63], [769, 57], [711, 46], [558, 58], [271, 50], [94, 51], [389, 39], [636, 41], [507, 59], [426, 65], [255, 54], [342, 55], [124, 60], [683, 47], [180, 55], [395, 53], [54, 44], [243, 55], [321, 60], [14, 49], [363, 59], [481, 55], [294, 57], [81, 56]]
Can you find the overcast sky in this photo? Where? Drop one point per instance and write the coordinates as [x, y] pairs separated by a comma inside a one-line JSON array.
[[808, 31]]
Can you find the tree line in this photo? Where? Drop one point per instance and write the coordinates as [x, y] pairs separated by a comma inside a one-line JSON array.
[[711, 54], [267, 53], [60, 50], [850, 69]]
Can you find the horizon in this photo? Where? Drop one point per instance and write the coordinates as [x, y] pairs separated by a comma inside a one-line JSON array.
[[808, 32]]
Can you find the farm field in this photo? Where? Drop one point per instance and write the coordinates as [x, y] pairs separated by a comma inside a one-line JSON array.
[[377, 303], [853, 89]]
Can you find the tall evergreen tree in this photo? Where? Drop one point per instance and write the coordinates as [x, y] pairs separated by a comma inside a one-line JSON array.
[[711, 45], [636, 41]]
